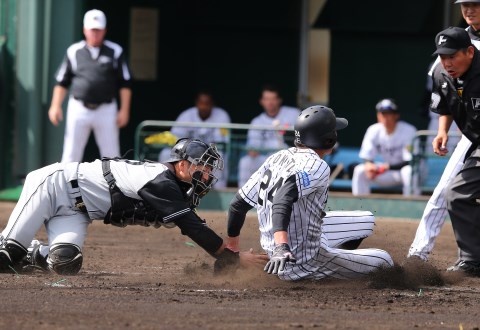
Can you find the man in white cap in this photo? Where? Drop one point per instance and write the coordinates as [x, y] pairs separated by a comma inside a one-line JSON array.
[[96, 72]]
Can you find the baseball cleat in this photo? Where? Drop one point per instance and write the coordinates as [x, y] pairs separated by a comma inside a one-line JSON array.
[[5, 261], [471, 268], [34, 260]]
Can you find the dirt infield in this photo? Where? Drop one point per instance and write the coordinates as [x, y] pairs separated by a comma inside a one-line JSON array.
[[145, 278]]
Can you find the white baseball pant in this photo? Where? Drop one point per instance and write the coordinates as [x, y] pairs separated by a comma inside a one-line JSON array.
[[435, 211], [331, 261], [361, 184], [81, 121], [48, 198]]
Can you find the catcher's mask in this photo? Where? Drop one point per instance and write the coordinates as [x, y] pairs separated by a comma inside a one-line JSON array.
[[205, 161]]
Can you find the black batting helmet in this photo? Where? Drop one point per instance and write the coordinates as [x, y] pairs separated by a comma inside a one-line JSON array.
[[316, 127]]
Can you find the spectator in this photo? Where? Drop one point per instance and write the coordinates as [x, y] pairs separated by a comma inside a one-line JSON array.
[[267, 141], [249, 165], [96, 71], [390, 139], [204, 111]]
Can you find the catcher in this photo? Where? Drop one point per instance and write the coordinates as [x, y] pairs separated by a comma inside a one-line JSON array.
[[67, 197]]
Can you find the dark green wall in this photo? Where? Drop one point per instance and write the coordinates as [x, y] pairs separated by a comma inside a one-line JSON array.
[[369, 67], [379, 49], [230, 48], [7, 110]]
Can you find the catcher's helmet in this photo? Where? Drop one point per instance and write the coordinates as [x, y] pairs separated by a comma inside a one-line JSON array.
[[200, 155], [316, 127]]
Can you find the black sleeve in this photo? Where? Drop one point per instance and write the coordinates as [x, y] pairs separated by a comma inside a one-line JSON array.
[[282, 204], [236, 215], [438, 102], [164, 195], [64, 74], [194, 227], [399, 165], [123, 70]]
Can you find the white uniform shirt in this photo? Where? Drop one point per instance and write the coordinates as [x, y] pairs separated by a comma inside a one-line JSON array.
[[285, 118], [393, 148], [305, 233], [206, 134]]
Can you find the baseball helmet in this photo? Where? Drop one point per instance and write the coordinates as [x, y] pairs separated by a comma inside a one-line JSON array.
[[204, 159], [316, 127]]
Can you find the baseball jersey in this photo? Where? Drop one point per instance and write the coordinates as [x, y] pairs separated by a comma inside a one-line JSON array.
[[153, 183], [393, 148], [206, 134], [95, 74], [272, 139], [305, 229]]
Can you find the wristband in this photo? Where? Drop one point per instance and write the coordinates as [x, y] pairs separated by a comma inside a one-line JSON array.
[[381, 169]]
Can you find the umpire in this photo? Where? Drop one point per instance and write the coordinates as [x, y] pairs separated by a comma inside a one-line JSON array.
[[456, 97], [96, 71]]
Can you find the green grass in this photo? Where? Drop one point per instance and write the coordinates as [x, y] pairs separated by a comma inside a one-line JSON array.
[[11, 194]]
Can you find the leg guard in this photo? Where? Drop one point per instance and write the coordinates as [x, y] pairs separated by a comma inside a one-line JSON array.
[[11, 254], [65, 259]]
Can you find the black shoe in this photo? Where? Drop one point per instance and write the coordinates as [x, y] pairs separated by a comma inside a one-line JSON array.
[[34, 260], [5, 261], [471, 268]]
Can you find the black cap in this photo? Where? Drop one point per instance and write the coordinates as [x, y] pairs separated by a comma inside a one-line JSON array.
[[463, 1], [386, 105], [451, 40]]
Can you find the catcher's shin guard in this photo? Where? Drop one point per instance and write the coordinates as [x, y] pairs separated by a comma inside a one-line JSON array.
[[65, 259], [11, 253]]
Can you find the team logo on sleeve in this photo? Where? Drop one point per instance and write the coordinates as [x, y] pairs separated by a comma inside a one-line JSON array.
[[476, 103], [434, 101], [305, 179]]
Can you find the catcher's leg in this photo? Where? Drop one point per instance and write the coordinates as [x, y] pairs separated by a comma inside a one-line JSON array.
[[65, 259], [66, 237]]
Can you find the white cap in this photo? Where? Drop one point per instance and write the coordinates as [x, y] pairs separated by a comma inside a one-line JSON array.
[[94, 19]]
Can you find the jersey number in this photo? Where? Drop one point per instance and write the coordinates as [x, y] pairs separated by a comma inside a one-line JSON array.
[[267, 176]]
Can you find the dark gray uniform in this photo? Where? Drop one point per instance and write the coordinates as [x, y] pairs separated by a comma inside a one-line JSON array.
[[460, 98]]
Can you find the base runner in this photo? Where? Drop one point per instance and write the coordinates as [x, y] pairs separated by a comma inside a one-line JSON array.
[[290, 193]]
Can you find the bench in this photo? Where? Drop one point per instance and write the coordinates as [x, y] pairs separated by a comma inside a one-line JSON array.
[[348, 158]]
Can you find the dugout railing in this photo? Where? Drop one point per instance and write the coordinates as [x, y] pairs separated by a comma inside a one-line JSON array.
[[428, 167], [151, 137]]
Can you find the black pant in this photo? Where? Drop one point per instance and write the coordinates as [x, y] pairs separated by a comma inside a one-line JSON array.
[[463, 204]]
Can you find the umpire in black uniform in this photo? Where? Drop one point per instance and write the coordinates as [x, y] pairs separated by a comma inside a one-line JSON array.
[[456, 97]]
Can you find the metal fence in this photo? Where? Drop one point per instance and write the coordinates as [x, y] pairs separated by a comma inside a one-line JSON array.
[[152, 137]]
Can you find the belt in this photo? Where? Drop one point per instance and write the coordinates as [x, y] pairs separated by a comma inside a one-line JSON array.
[[90, 106], [79, 204]]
